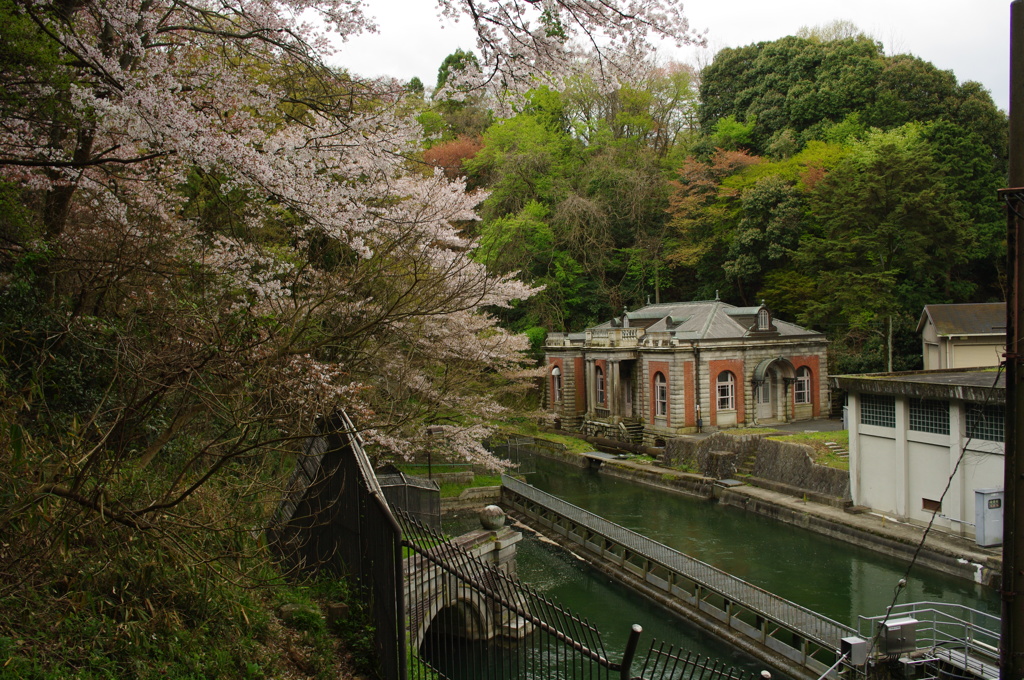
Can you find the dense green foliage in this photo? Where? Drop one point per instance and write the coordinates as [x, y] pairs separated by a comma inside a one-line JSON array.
[[845, 188], [578, 195]]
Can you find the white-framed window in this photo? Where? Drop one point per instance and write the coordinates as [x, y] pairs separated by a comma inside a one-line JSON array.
[[599, 378], [764, 320], [726, 391], [660, 395], [556, 384], [802, 387]]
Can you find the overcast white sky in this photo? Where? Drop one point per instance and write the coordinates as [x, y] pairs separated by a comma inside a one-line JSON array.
[[969, 38]]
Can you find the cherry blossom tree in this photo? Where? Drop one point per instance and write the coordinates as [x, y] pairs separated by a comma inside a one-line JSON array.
[[211, 239], [522, 40]]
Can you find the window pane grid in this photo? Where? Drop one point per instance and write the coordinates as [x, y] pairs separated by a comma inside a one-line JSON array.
[[985, 422], [726, 392], [661, 395], [929, 415], [878, 409], [802, 390]]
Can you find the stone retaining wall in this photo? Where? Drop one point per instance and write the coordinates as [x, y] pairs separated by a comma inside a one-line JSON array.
[[472, 499], [786, 464], [465, 477], [691, 485]]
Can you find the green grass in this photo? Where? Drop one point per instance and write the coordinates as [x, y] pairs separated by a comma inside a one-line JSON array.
[[823, 455], [528, 428], [422, 469], [168, 624], [750, 430], [572, 444]]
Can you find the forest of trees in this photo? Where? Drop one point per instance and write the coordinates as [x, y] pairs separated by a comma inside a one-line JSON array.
[[845, 187]]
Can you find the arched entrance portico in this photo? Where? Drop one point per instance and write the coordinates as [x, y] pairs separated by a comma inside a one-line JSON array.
[[771, 384]]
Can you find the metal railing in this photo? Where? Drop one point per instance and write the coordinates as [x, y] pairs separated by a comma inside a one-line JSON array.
[[418, 496], [948, 633], [741, 605], [541, 639]]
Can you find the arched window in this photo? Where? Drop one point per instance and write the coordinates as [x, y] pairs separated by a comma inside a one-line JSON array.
[[726, 391], [764, 321], [556, 384], [660, 395], [599, 376], [802, 387]]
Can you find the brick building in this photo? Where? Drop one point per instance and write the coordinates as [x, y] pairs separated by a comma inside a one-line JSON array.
[[668, 369]]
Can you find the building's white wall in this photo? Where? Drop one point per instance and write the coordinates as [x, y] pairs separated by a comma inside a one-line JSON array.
[[893, 469], [928, 465], [981, 470], [878, 469]]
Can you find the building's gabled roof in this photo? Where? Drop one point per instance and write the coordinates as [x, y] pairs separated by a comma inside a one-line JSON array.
[[703, 320], [984, 318]]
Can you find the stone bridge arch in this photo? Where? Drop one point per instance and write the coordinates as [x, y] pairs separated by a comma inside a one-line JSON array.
[[436, 588], [464, 613]]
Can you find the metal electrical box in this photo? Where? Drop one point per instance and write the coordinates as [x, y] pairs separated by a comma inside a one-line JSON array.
[[899, 636], [988, 517], [855, 649]]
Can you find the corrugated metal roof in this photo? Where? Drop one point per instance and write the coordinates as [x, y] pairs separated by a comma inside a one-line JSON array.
[[983, 318]]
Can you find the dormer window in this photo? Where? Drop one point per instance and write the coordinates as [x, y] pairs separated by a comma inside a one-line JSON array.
[[764, 320]]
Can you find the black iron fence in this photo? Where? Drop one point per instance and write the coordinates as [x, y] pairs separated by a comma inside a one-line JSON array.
[[334, 519], [441, 610], [417, 496]]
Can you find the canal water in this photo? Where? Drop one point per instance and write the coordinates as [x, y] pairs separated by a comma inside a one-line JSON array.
[[828, 576], [600, 600]]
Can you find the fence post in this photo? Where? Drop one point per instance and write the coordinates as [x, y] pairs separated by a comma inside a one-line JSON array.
[[626, 667]]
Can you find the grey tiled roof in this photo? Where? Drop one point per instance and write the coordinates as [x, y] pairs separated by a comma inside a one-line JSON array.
[[703, 320]]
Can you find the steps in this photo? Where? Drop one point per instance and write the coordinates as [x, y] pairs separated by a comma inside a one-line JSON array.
[[634, 431], [746, 467], [838, 449]]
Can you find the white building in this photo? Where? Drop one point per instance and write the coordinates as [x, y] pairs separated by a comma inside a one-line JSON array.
[[908, 432], [963, 336]]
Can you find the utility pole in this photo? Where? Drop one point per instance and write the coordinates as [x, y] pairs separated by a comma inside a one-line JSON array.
[[1011, 651]]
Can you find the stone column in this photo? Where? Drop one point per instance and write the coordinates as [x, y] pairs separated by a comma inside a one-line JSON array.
[[614, 386]]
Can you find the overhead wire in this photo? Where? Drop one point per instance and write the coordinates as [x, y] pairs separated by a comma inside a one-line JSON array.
[[902, 583]]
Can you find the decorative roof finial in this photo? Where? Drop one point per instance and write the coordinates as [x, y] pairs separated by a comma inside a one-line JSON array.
[[648, 298], [717, 299], [762, 302]]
